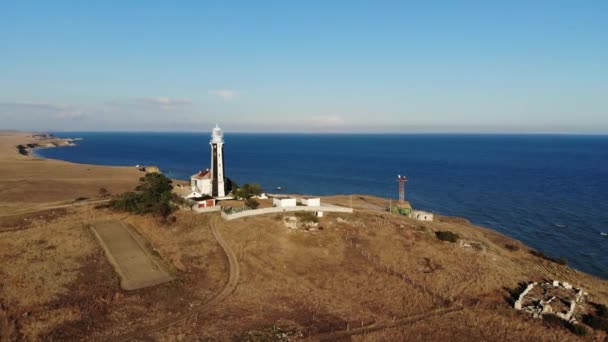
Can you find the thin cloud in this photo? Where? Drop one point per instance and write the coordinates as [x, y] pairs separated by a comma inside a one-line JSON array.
[[225, 94], [164, 101], [60, 111], [327, 121]]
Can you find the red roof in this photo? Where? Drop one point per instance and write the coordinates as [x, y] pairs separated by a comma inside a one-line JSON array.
[[203, 174]]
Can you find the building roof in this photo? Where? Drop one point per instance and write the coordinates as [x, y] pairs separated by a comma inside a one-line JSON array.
[[205, 174], [201, 198]]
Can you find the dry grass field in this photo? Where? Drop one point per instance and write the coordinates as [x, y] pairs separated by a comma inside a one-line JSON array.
[[28, 183], [383, 277]]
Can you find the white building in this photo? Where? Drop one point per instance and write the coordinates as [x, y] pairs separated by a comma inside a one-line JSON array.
[[211, 182], [200, 184], [421, 215], [311, 202], [284, 202]]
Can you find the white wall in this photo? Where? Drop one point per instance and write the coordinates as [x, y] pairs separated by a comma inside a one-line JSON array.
[[421, 215], [284, 202], [207, 209], [314, 202], [332, 208], [202, 186]]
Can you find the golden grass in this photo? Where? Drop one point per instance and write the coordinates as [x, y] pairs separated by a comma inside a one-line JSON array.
[[57, 284]]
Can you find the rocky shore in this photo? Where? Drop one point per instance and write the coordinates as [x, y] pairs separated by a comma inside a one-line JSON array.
[[44, 140]]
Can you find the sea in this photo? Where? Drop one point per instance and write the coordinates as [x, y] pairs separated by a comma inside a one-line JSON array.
[[549, 191]]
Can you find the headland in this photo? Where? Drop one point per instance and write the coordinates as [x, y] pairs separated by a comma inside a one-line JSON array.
[[366, 276]]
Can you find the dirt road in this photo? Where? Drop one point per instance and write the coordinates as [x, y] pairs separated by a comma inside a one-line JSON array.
[[58, 206]]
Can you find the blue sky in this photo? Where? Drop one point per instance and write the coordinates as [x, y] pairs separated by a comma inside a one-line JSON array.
[[308, 66]]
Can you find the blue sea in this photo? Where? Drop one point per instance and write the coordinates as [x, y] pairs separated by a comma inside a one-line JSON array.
[[549, 191]]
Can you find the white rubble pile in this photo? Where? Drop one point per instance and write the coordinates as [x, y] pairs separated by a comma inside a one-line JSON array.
[[541, 306]]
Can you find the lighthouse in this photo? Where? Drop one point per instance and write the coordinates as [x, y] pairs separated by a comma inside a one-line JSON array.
[[218, 187]]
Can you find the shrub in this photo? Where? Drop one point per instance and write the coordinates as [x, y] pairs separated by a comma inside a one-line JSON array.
[[577, 329], [601, 310], [560, 260], [248, 190], [552, 320], [152, 195], [447, 236], [103, 192], [512, 247], [307, 217], [595, 322], [252, 203], [183, 202]]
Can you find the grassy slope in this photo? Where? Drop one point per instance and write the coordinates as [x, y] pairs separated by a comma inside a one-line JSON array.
[[56, 282]]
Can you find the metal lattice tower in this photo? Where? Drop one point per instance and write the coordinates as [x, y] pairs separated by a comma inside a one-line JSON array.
[[401, 180]]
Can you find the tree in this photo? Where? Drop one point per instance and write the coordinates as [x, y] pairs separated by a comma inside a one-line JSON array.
[[248, 190], [252, 203], [103, 192], [152, 195]]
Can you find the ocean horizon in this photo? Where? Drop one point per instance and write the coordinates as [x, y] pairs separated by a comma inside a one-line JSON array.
[[548, 190]]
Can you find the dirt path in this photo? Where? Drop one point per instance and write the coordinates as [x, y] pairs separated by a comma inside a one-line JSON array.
[[386, 325], [59, 206], [228, 289]]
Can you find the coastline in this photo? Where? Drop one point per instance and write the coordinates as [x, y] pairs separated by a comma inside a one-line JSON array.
[[369, 265], [27, 180], [362, 201]]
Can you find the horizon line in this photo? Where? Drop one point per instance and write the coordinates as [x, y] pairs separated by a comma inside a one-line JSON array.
[[326, 132]]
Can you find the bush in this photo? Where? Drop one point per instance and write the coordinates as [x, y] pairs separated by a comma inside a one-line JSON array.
[[577, 329], [601, 310], [103, 192], [252, 203], [447, 236], [152, 195], [307, 217], [595, 322], [183, 202], [553, 321], [512, 247], [248, 190], [560, 260]]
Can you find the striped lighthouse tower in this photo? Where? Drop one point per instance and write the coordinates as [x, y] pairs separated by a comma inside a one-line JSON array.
[[218, 187]]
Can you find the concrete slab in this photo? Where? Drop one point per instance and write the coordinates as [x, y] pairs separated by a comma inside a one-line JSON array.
[[127, 252]]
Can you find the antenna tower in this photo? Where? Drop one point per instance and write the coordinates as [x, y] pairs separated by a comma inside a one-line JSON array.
[[401, 180]]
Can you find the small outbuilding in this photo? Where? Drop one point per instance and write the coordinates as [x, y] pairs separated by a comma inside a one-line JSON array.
[[204, 201], [403, 208], [284, 202], [421, 215], [311, 201]]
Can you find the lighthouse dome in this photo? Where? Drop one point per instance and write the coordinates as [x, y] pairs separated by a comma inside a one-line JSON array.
[[217, 136]]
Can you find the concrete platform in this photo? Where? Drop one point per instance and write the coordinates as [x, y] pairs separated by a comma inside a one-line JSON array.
[[127, 252]]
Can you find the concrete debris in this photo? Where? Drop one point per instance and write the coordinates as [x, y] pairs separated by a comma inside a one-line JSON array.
[[557, 298]]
